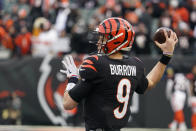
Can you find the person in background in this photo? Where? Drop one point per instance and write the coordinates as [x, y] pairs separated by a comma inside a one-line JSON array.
[[192, 78], [23, 42], [46, 40], [176, 88], [15, 110]]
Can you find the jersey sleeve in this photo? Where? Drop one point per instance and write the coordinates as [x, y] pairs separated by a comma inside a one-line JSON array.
[[143, 85], [143, 81], [80, 91], [88, 73], [88, 70]]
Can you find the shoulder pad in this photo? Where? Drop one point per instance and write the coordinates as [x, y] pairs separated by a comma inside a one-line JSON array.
[[88, 69]]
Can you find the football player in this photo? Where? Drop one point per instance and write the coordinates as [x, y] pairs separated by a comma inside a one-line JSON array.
[[108, 80], [192, 78], [176, 89]]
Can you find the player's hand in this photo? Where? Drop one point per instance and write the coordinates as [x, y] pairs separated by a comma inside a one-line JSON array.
[[70, 68], [169, 45]]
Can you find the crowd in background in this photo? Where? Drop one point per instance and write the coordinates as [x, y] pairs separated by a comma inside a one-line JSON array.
[[40, 27]]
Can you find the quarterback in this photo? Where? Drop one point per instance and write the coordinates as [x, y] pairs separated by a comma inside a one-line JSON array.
[[108, 79]]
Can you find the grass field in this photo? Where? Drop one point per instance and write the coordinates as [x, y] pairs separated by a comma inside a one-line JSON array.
[[57, 128]]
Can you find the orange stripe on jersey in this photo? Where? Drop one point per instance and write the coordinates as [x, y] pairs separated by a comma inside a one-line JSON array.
[[89, 66], [96, 57], [88, 61]]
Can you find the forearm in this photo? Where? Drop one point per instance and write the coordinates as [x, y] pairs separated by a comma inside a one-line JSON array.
[[68, 102], [167, 48], [155, 74]]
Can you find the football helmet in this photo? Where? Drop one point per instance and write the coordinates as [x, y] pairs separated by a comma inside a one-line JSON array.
[[118, 33]]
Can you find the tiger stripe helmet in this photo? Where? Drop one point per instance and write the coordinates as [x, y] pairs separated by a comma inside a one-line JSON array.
[[119, 34]]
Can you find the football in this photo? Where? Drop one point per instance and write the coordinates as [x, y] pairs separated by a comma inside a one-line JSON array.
[[159, 34]]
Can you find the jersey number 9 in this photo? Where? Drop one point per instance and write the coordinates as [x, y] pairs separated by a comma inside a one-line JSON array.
[[122, 97]]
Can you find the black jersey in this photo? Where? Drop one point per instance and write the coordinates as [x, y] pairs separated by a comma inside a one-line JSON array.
[[107, 86]]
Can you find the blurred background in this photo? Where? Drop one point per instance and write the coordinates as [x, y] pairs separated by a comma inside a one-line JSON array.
[[36, 34]]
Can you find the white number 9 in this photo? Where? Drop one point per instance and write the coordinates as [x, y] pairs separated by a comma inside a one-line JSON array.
[[122, 99]]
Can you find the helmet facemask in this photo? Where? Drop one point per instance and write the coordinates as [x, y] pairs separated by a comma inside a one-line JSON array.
[[101, 44]]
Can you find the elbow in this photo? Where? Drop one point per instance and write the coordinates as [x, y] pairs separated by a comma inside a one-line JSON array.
[[151, 84], [150, 87], [67, 106]]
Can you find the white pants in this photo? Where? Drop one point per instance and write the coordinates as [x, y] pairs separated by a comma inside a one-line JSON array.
[[193, 103], [178, 100]]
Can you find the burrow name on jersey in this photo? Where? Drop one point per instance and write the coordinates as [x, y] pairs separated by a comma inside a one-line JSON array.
[[124, 70]]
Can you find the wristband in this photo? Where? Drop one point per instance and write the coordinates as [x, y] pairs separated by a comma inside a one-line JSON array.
[[71, 83], [165, 59], [69, 86], [73, 80]]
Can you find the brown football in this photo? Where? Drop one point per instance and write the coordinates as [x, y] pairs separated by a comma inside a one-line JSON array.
[[159, 35]]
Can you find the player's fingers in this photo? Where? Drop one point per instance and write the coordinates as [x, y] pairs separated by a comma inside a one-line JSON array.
[[65, 59], [65, 64], [72, 64], [176, 41], [173, 35], [175, 38], [68, 61], [63, 71], [157, 44], [72, 61], [165, 33]]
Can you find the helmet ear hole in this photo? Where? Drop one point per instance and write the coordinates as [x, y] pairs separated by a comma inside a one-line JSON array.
[[109, 36], [106, 49]]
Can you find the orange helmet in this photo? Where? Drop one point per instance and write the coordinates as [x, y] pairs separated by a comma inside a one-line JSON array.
[[119, 34]]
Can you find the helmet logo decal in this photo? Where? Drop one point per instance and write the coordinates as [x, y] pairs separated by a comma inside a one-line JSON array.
[[117, 48], [115, 37], [118, 25], [110, 25], [104, 26]]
